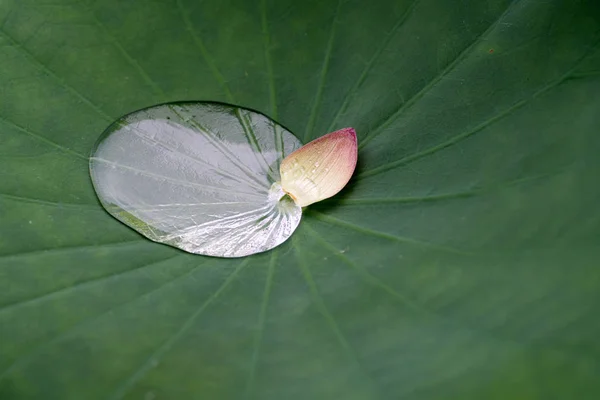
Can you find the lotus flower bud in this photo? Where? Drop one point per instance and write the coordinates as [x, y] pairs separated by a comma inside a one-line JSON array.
[[321, 168]]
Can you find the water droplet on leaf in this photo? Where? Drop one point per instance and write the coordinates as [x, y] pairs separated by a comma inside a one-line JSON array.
[[201, 177]]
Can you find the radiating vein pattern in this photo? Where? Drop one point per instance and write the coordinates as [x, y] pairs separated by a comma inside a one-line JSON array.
[[459, 263], [187, 175]]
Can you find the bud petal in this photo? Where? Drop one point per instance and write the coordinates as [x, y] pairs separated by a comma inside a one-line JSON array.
[[321, 168]]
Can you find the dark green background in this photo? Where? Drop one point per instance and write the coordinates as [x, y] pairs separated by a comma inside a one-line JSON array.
[[462, 262]]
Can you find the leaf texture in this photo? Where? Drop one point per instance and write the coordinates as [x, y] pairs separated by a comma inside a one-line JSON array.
[[459, 263]]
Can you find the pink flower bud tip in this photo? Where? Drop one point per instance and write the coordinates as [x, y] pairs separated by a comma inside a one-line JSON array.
[[321, 168]]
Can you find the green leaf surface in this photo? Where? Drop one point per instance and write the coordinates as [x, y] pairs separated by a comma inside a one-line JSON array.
[[462, 261]]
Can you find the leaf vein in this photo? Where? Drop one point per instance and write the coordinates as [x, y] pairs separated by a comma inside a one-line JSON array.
[[383, 235], [321, 85], [449, 68], [43, 139], [445, 196], [26, 358], [251, 138], [456, 139], [124, 53], [223, 149], [173, 180], [365, 275], [76, 206], [349, 351], [205, 54], [29, 55], [262, 316], [173, 339], [267, 46], [46, 252], [358, 83], [76, 286]]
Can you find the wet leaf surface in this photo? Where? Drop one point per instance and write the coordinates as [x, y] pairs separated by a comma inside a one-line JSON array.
[[461, 262], [202, 177]]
